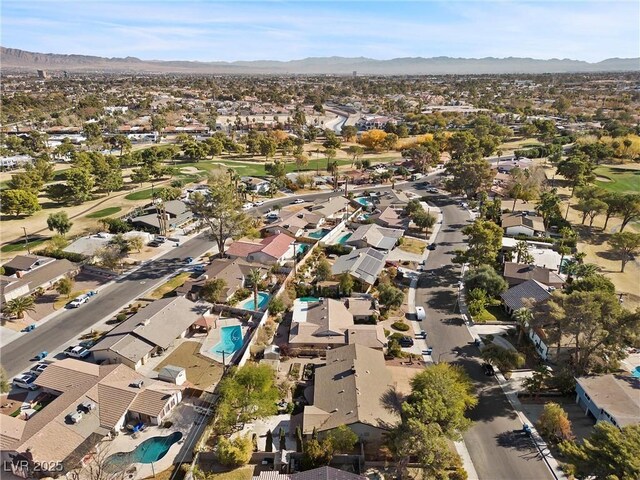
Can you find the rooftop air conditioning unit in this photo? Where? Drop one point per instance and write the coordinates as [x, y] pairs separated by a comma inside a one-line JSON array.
[[137, 384]]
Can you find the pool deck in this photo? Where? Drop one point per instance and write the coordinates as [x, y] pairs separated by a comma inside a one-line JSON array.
[[214, 337], [185, 420]]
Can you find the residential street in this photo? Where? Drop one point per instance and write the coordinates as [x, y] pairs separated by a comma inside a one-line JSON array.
[[64, 328], [496, 451]]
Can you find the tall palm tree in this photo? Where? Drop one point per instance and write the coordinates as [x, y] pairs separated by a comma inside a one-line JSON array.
[[254, 276], [523, 317], [19, 306]]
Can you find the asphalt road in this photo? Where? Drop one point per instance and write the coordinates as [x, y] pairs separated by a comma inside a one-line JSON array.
[[497, 452], [64, 328]]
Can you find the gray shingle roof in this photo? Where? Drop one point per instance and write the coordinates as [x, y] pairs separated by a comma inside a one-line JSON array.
[[363, 263], [514, 298]]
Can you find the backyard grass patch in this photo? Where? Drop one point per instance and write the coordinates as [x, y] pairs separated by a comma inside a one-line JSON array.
[[105, 212], [166, 288], [140, 194], [20, 245], [412, 245], [242, 473], [492, 313], [619, 179], [202, 372], [62, 300]]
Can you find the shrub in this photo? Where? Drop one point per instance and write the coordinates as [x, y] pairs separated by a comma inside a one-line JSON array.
[[61, 255], [276, 306], [121, 317], [236, 452], [401, 326], [337, 249]]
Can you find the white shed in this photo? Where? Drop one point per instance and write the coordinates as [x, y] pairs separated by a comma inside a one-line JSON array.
[[173, 374]]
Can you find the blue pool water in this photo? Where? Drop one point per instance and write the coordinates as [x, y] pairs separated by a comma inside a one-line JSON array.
[[151, 450], [263, 299], [363, 201], [308, 299], [301, 248], [318, 234], [636, 372], [344, 238], [230, 340]]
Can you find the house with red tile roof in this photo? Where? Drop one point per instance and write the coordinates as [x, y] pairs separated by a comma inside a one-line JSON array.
[[275, 249]]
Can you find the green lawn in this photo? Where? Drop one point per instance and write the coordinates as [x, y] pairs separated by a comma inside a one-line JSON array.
[[493, 313], [140, 194], [105, 212], [19, 246], [621, 180]]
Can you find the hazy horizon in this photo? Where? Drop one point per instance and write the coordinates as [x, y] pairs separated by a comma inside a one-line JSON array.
[[210, 31]]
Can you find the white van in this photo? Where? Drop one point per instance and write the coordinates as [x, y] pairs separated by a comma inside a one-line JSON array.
[[420, 314]]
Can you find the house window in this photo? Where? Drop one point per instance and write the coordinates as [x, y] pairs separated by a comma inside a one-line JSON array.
[[587, 396]]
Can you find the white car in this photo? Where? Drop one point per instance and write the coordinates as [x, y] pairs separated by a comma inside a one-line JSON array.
[[77, 352], [38, 368], [272, 216], [76, 302], [259, 203], [25, 381], [298, 201], [420, 313], [247, 206]]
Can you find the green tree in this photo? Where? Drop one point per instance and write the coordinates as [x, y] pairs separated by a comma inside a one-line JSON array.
[[17, 202], [342, 439], [254, 277], [5, 382], [346, 283], [79, 185], [505, 359], [522, 253], [234, 453], [349, 132], [316, 454], [468, 175], [424, 220], [554, 423], [158, 123], [590, 207], [614, 202], [221, 212], [323, 270], [390, 296], [629, 210], [140, 175], [610, 453], [577, 169], [484, 240], [523, 317], [246, 394], [19, 306], [267, 147], [476, 301], [486, 278], [64, 286], [136, 243], [625, 245], [213, 289], [59, 222]]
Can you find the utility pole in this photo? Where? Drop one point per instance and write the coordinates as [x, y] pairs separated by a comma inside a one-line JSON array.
[[26, 240]]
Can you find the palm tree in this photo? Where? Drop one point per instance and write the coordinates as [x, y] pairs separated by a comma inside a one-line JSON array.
[[254, 276], [19, 306], [523, 317]]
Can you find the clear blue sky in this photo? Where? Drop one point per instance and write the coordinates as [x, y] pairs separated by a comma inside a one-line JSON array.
[[210, 30]]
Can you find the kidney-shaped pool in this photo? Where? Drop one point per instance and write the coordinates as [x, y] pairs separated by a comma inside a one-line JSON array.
[[149, 451]]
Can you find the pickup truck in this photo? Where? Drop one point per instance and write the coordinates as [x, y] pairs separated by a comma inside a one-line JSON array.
[[77, 352]]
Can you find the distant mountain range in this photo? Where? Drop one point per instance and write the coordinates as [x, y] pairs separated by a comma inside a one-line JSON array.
[[13, 59]]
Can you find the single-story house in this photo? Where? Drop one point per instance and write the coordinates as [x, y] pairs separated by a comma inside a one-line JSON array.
[[349, 390], [333, 208], [393, 198], [363, 309], [177, 212], [90, 402], [14, 161], [611, 398], [548, 349], [517, 297], [233, 272], [515, 224], [517, 273], [294, 223], [326, 322], [256, 185], [275, 249], [365, 264], [31, 272], [392, 218], [375, 236], [150, 331], [543, 254], [91, 244]]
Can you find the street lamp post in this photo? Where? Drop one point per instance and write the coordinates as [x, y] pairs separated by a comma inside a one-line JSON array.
[[26, 240]]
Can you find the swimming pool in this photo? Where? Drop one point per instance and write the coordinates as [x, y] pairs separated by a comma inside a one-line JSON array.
[[344, 238], [636, 372], [263, 299], [230, 340], [149, 451], [318, 234], [309, 299], [364, 202]]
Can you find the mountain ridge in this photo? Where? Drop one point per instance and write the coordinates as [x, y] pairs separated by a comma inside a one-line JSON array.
[[21, 60]]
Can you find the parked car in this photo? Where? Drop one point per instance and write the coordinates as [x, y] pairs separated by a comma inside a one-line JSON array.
[[259, 203], [406, 342], [25, 381], [87, 343], [78, 301], [247, 206], [29, 328], [431, 246], [298, 201], [77, 352], [153, 243], [420, 313], [199, 268], [38, 368], [422, 334], [188, 260], [160, 239], [41, 356], [272, 216], [488, 369]]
